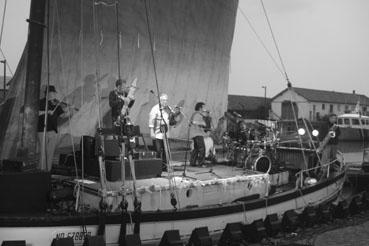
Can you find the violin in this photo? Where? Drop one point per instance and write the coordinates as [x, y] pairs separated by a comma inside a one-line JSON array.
[[56, 103]]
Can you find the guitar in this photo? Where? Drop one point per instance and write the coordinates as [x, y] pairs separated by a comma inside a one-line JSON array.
[[130, 96]]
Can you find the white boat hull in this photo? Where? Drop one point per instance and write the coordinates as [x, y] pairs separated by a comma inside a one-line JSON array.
[[152, 231]]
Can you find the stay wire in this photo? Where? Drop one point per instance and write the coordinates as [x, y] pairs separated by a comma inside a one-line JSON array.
[[260, 40], [158, 94], [3, 21], [275, 42], [118, 36]]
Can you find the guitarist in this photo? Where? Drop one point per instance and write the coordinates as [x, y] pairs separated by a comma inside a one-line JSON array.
[[117, 99], [329, 151], [197, 133]]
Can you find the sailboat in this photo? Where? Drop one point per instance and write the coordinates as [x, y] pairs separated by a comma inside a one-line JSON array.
[[182, 48]]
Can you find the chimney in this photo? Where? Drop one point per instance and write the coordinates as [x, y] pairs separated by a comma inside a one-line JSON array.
[[353, 92]]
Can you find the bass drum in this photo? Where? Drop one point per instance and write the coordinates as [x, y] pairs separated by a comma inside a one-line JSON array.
[[259, 163]]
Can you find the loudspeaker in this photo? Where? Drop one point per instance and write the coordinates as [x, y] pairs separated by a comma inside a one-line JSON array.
[[12, 166], [272, 224], [290, 221], [87, 144], [94, 241], [200, 237], [232, 234], [144, 169], [17, 197], [256, 231], [14, 243], [63, 242], [133, 240], [171, 238]]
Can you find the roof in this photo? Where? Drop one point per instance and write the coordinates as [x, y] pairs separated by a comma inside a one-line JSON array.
[[352, 115], [246, 103], [328, 96]]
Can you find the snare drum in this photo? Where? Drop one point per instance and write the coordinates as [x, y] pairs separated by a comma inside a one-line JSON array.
[[260, 163]]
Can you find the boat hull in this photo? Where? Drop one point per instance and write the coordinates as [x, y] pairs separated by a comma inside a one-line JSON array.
[[154, 224], [354, 134]]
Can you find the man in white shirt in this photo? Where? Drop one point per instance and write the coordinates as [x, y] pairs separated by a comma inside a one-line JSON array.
[[158, 124]]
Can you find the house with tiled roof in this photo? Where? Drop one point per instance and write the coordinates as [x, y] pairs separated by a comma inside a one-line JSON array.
[[314, 104], [249, 107]]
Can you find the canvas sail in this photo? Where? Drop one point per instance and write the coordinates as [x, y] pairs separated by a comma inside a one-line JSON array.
[[192, 43]]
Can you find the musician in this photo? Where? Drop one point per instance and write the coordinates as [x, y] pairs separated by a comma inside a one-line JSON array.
[[159, 122], [55, 110], [197, 133], [118, 98], [329, 152]]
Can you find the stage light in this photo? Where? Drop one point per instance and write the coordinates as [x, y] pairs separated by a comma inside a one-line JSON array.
[[315, 133], [301, 131], [310, 181], [200, 237]]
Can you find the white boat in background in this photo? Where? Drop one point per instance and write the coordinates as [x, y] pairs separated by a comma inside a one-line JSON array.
[[354, 127]]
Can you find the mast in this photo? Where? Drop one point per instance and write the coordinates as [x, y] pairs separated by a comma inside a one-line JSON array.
[[33, 77]]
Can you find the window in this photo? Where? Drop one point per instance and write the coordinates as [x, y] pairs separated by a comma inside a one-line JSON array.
[[314, 107], [317, 116], [331, 108], [367, 122], [346, 107], [339, 107], [323, 106], [346, 121], [362, 121], [340, 121], [355, 122], [364, 109]]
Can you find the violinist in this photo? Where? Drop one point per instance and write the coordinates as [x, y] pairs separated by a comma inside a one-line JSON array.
[[159, 121], [117, 99], [55, 110]]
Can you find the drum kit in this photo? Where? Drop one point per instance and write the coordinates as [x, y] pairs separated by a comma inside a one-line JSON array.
[[256, 155]]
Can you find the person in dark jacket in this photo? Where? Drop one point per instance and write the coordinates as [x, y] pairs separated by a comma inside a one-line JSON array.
[[328, 149], [118, 98]]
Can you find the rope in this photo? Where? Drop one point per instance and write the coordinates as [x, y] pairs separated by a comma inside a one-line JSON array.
[[169, 168], [260, 40], [7, 63], [275, 42], [118, 36], [81, 51], [3, 21]]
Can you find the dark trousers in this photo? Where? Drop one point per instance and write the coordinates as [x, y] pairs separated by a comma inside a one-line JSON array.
[[160, 151], [198, 152]]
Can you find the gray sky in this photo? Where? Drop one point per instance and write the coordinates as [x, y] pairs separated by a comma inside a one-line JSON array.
[[324, 44]]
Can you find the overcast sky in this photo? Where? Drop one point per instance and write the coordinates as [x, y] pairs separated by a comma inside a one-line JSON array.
[[324, 44]]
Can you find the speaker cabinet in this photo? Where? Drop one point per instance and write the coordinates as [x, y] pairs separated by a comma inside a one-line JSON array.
[[171, 238], [24, 192]]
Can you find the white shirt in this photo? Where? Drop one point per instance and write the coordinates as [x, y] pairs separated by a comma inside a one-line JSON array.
[[155, 121]]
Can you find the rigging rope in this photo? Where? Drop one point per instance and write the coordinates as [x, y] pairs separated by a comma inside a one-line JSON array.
[[118, 36], [260, 40], [275, 42], [3, 21], [7, 63], [169, 168]]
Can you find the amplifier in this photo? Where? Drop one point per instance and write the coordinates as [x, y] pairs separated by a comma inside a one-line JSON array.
[[149, 168]]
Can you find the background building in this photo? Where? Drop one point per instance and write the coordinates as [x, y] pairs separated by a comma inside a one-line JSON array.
[[315, 104], [249, 107]]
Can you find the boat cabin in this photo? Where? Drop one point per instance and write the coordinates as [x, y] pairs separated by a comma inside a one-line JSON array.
[[353, 121]]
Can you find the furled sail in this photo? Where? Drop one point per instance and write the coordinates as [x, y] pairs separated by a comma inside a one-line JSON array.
[[192, 42]]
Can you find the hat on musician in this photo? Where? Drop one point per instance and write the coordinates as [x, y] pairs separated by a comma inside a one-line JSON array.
[[120, 82], [51, 88]]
